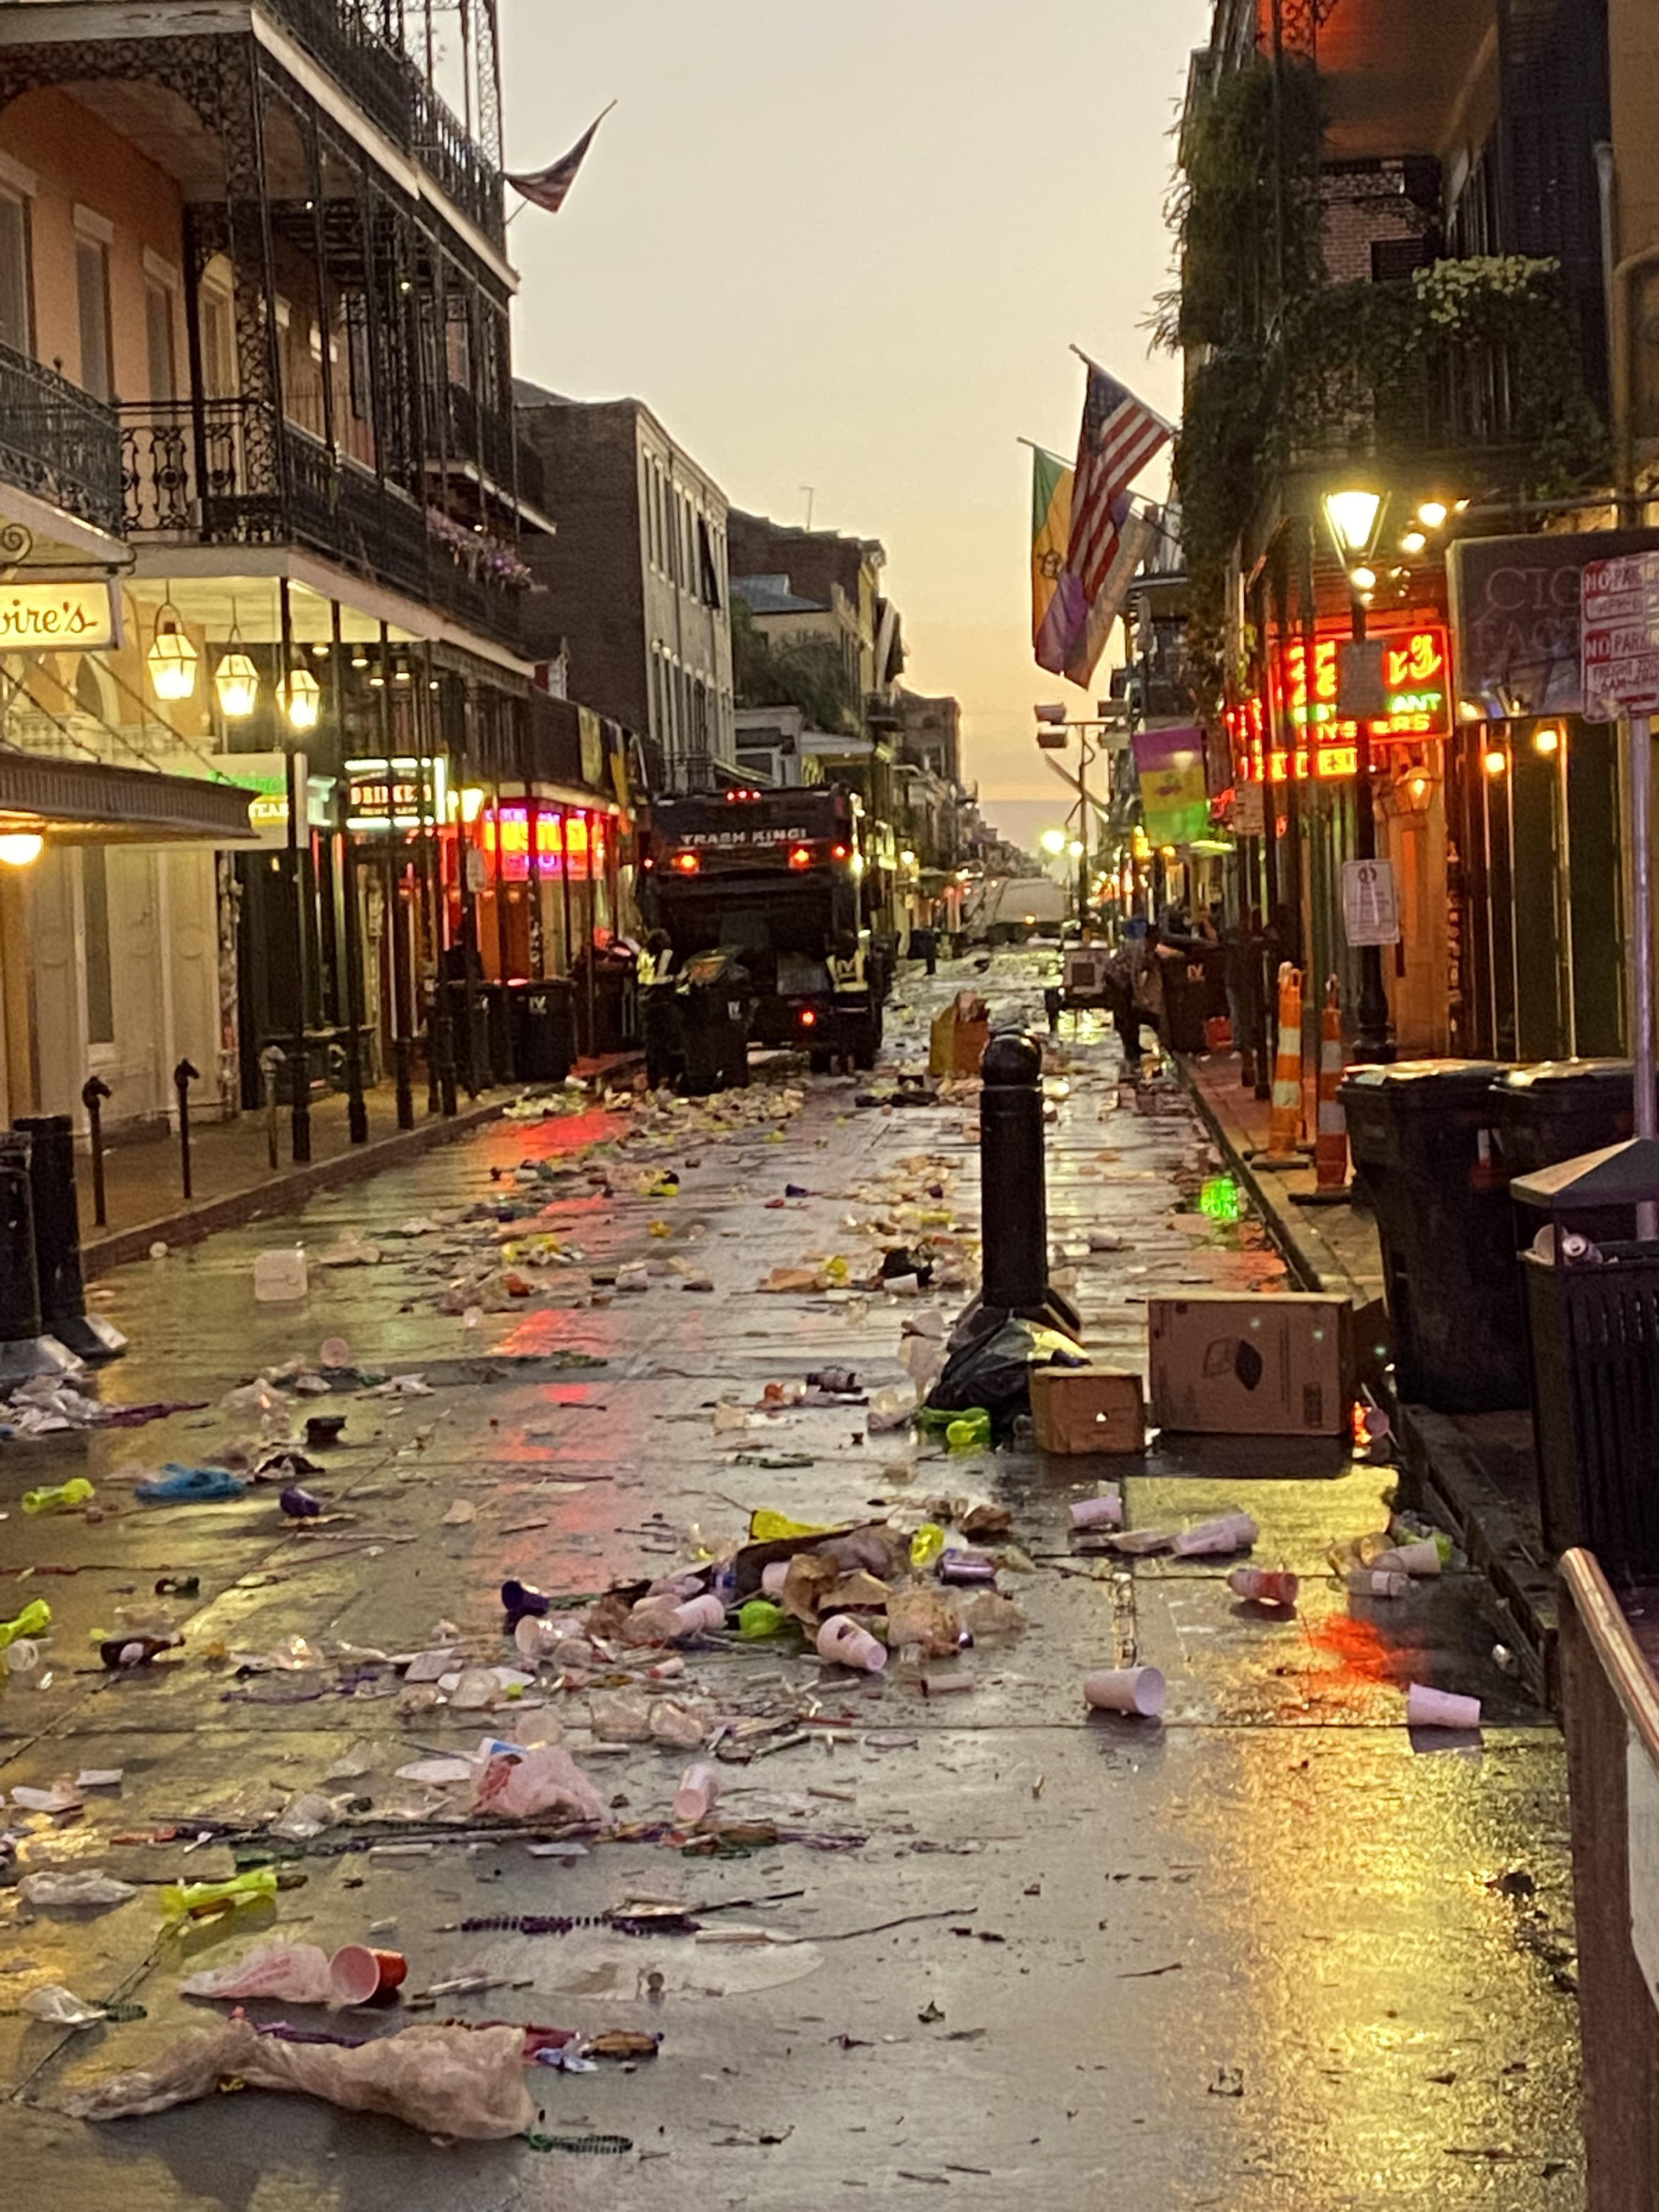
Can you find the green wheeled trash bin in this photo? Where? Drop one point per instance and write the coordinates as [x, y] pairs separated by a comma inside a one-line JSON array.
[[1421, 1136]]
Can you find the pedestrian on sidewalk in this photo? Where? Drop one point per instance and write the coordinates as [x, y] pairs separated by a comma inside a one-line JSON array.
[[1134, 992]]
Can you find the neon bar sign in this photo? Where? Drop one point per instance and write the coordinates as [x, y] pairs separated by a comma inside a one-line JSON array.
[[1417, 682]]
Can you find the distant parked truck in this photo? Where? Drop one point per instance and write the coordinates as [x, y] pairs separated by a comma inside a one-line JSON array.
[[1011, 909]]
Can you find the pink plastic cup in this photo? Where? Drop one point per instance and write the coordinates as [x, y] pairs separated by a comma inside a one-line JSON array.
[[698, 1617], [357, 1975], [700, 1785], [1098, 1512], [1440, 1708], [1126, 1690], [844, 1643]]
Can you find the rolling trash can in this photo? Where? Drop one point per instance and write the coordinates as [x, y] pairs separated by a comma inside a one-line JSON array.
[[1421, 1136], [1592, 1312], [717, 1003], [541, 1022], [1558, 1111]]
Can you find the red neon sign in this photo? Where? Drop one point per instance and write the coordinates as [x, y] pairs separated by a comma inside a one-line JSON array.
[[1416, 676], [503, 834]]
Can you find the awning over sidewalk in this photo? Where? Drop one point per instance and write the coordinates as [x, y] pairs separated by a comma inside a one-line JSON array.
[[86, 802]]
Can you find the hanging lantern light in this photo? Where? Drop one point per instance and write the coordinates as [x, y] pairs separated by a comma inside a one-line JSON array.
[[236, 679], [302, 698], [172, 657]]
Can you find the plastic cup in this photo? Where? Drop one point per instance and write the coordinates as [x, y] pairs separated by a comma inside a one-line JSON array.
[[1105, 1513], [700, 1785], [698, 1617], [1264, 1585], [844, 1643], [1126, 1690], [1440, 1708], [1374, 1581], [1421, 1559], [357, 1975], [1229, 1532], [773, 1578]]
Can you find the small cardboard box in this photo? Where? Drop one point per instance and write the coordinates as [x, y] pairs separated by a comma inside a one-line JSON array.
[[959, 1035], [1266, 1366], [1085, 1409]]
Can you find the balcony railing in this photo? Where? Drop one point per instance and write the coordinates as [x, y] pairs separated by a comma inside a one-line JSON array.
[[229, 472], [58, 442], [346, 36]]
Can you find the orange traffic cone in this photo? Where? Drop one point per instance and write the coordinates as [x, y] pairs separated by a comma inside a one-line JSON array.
[[1331, 1137], [1286, 1122]]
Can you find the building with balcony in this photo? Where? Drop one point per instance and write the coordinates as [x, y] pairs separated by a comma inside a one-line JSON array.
[[255, 381], [635, 584], [1394, 235]]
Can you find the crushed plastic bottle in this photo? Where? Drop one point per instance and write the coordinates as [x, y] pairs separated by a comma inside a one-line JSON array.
[[1378, 1582], [61, 1497], [190, 1900], [34, 1619], [969, 1431], [926, 1546]]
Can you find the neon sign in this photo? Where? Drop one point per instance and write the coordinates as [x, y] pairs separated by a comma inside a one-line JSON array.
[[559, 839], [1416, 676]]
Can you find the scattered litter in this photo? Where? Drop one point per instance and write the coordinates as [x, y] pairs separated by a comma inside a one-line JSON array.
[[1139, 1689], [1438, 1708], [70, 1887], [60, 2008]]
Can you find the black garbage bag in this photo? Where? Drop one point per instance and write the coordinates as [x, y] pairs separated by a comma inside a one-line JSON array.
[[995, 1370]]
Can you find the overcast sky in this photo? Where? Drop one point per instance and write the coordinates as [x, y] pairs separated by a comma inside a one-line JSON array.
[[850, 248]]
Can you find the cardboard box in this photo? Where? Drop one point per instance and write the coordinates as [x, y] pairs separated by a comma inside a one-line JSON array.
[[960, 1033], [1087, 1409], [1267, 1367]]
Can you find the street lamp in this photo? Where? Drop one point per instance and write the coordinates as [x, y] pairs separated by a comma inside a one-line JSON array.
[[172, 657], [20, 849], [1054, 842], [1353, 519]]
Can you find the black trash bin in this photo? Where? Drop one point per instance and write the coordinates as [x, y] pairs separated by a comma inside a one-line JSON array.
[[717, 1003], [1558, 1111], [1592, 1310], [1420, 1132], [606, 1016], [542, 1021]]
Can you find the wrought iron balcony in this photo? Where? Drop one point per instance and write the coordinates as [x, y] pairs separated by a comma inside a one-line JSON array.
[[232, 472], [58, 442]]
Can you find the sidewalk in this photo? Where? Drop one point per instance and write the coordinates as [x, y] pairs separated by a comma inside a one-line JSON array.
[[232, 1181], [1475, 1473]]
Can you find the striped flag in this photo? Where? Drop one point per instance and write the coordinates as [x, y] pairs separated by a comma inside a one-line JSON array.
[[1059, 613], [550, 188], [1120, 437]]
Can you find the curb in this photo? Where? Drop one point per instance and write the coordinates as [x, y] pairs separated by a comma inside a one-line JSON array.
[[283, 1190], [1298, 1253]]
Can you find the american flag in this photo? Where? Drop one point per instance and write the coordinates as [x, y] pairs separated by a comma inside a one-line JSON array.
[[1119, 437], [550, 188]]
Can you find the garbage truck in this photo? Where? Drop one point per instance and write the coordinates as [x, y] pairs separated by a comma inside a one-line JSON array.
[[775, 880]]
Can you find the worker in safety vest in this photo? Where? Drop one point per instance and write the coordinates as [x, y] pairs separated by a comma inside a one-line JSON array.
[[847, 972], [659, 1011]]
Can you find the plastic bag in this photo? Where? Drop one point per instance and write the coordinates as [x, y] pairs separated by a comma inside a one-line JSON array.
[[445, 2081], [69, 1886], [296, 1973], [615, 1718], [543, 1779], [60, 2008], [681, 1726], [182, 1900]]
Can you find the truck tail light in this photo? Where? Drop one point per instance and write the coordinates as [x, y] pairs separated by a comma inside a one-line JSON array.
[[801, 856], [809, 1020], [687, 863]]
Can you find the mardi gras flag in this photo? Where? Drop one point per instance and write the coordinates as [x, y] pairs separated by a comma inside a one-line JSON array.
[[1175, 792], [1059, 612]]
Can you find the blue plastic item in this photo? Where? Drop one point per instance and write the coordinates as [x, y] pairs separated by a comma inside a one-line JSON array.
[[189, 1485]]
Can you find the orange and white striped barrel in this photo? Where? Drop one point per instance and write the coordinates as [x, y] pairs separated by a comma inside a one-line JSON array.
[[1284, 1125], [1331, 1136]]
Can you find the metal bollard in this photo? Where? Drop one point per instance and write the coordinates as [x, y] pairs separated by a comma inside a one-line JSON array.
[[441, 1033], [299, 1104], [183, 1076], [403, 1054], [26, 1350], [1014, 1215], [94, 1091], [57, 1240], [270, 1068]]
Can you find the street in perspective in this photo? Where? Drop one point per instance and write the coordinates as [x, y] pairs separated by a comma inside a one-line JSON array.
[[828, 1363]]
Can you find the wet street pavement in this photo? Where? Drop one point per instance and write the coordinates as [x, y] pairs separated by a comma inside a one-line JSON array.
[[1268, 1952]]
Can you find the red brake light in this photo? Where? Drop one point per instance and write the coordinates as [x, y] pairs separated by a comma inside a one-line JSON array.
[[809, 1020], [801, 857], [839, 852], [687, 863]]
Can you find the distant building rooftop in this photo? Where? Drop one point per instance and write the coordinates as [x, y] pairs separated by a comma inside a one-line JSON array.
[[771, 595]]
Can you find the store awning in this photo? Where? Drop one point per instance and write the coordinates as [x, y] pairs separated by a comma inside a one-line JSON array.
[[85, 802]]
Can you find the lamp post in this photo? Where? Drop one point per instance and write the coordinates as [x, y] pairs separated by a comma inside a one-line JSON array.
[[1052, 734], [1353, 517]]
